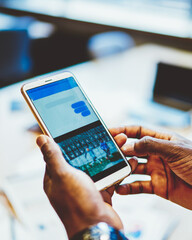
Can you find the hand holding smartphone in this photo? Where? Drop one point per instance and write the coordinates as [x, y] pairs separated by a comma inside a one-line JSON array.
[[65, 113]]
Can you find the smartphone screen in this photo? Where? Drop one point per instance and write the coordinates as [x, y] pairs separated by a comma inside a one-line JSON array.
[[74, 125]]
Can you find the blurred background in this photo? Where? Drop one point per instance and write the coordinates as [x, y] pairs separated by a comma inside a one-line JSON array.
[[49, 31], [133, 58]]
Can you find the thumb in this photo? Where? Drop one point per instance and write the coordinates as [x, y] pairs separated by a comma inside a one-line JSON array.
[[134, 163], [53, 157], [149, 146]]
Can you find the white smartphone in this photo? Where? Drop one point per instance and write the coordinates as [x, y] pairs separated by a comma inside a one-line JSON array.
[[65, 113]]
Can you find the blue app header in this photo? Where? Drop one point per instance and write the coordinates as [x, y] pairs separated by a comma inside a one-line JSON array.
[[51, 88]]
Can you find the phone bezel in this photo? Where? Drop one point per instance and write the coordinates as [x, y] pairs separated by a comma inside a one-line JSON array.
[[104, 182]]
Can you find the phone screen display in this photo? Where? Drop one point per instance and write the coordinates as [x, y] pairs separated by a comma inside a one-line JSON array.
[[74, 125]]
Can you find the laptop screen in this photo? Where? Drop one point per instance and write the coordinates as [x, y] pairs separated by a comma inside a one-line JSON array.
[[173, 83]]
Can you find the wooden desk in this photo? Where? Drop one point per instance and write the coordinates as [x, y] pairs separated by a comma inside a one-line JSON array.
[[112, 84]]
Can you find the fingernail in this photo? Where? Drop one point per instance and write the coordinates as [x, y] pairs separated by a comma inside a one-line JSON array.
[[124, 148], [41, 140]]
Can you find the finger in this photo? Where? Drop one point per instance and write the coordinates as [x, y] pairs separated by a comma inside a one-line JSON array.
[[106, 197], [116, 131], [52, 155], [110, 190], [120, 139], [41, 140], [135, 188], [149, 146], [128, 149], [142, 168], [133, 162], [140, 132], [107, 194]]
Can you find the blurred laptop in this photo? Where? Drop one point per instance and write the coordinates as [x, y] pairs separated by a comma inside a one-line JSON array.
[[173, 86], [172, 98]]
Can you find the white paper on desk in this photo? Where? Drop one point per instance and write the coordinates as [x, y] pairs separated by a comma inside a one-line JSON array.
[[141, 218], [27, 185], [148, 224], [4, 224], [44, 222], [11, 229], [159, 114], [20, 226]]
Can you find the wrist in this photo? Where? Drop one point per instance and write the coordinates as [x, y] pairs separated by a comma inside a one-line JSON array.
[[75, 223], [99, 231], [73, 229]]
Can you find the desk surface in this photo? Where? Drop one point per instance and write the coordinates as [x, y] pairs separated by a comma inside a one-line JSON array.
[[113, 84]]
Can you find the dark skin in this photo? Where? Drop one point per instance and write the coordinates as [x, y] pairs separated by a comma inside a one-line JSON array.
[[75, 198], [72, 193], [169, 164]]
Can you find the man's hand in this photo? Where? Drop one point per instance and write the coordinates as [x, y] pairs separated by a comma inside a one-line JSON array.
[[72, 193], [169, 164], [120, 139]]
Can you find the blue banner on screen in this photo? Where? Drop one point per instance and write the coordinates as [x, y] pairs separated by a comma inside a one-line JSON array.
[[74, 125], [52, 88]]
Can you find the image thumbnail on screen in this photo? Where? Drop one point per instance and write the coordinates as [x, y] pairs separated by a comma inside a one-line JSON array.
[[91, 150]]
